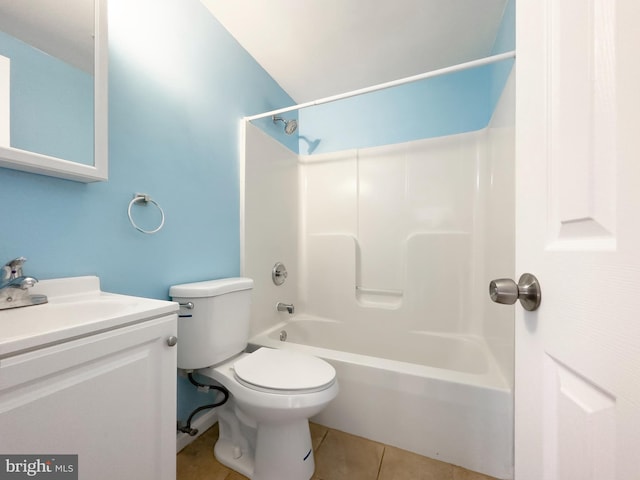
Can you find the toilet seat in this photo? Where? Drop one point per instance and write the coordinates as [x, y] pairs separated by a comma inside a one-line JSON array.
[[284, 372]]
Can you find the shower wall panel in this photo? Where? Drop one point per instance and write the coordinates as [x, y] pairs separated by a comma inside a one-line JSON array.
[[499, 210], [269, 225], [388, 233]]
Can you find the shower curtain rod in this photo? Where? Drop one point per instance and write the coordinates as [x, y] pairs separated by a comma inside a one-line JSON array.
[[434, 73]]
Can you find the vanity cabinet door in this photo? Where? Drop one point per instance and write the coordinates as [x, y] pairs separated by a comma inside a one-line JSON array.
[[110, 398]]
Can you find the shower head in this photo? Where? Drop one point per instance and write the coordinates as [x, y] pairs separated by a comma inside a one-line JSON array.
[[290, 126]]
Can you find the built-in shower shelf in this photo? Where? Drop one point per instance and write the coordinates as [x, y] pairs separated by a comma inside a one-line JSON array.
[[379, 298]]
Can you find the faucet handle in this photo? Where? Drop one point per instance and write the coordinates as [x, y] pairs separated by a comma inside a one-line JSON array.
[[16, 262], [13, 268], [28, 282]]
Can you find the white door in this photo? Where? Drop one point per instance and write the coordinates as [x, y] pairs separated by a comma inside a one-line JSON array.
[[577, 386]]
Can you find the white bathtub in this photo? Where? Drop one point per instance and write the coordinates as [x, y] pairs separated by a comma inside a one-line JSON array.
[[437, 395]]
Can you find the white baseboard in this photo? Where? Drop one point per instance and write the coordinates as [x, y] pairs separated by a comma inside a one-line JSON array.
[[202, 423]]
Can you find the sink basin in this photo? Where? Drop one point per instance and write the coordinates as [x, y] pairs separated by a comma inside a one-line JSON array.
[[76, 308], [103, 307], [72, 310]]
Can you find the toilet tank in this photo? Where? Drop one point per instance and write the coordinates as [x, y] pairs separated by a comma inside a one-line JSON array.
[[217, 327]]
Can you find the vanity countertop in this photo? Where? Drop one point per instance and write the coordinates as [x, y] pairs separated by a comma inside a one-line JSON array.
[[77, 308]]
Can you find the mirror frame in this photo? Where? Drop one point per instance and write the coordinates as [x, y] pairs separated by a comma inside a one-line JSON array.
[[26, 161]]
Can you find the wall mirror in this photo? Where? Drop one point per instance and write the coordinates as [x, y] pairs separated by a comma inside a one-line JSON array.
[[53, 88]]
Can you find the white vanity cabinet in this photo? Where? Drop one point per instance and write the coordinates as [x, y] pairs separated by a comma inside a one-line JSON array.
[[108, 396]]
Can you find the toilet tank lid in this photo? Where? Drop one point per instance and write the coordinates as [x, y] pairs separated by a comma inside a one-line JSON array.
[[211, 288]]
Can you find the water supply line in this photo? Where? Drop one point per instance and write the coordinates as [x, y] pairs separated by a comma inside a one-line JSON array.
[[186, 428]]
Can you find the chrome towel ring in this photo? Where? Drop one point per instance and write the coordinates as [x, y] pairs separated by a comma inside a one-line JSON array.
[[145, 199]]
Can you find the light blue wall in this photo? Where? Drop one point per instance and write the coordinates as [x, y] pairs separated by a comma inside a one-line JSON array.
[[178, 86], [51, 103], [440, 106], [446, 105], [506, 36]]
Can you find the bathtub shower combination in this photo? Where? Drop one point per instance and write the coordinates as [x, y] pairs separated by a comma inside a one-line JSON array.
[[389, 250], [440, 396]]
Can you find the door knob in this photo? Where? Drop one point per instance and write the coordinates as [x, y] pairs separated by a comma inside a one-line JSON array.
[[527, 290]]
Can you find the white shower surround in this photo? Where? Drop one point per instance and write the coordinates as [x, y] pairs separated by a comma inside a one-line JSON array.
[[421, 228]]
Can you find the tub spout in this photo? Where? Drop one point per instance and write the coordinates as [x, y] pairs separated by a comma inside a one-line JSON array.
[[285, 307]]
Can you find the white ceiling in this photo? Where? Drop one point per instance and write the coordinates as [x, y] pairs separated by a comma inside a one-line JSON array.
[[312, 48], [62, 29], [317, 48]]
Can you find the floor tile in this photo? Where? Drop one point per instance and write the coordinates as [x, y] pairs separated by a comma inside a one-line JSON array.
[[346, 457], [196, 461], [402, 465], [338, 456], [464, 474], [236, 476], [318, 433]]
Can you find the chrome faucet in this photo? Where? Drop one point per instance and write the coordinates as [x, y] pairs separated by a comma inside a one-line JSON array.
[[14, 286], [285, 307]]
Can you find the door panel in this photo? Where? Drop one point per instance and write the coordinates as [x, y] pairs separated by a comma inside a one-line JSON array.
[[581, 123], [579, 418], [577, 388]]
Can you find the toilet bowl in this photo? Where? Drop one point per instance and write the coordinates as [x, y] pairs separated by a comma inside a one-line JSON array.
[[264, 428], [268, 421]]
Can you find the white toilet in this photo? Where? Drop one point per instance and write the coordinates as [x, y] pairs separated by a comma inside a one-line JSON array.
[[264, 427]]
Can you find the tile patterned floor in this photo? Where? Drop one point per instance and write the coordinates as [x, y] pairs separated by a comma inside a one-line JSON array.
[[338, 455]]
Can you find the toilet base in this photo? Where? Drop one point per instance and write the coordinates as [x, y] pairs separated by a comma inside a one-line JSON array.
[[225, 452], [266, 451], [284, 451]]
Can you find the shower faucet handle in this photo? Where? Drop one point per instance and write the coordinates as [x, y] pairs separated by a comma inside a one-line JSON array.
[[279, 273]]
